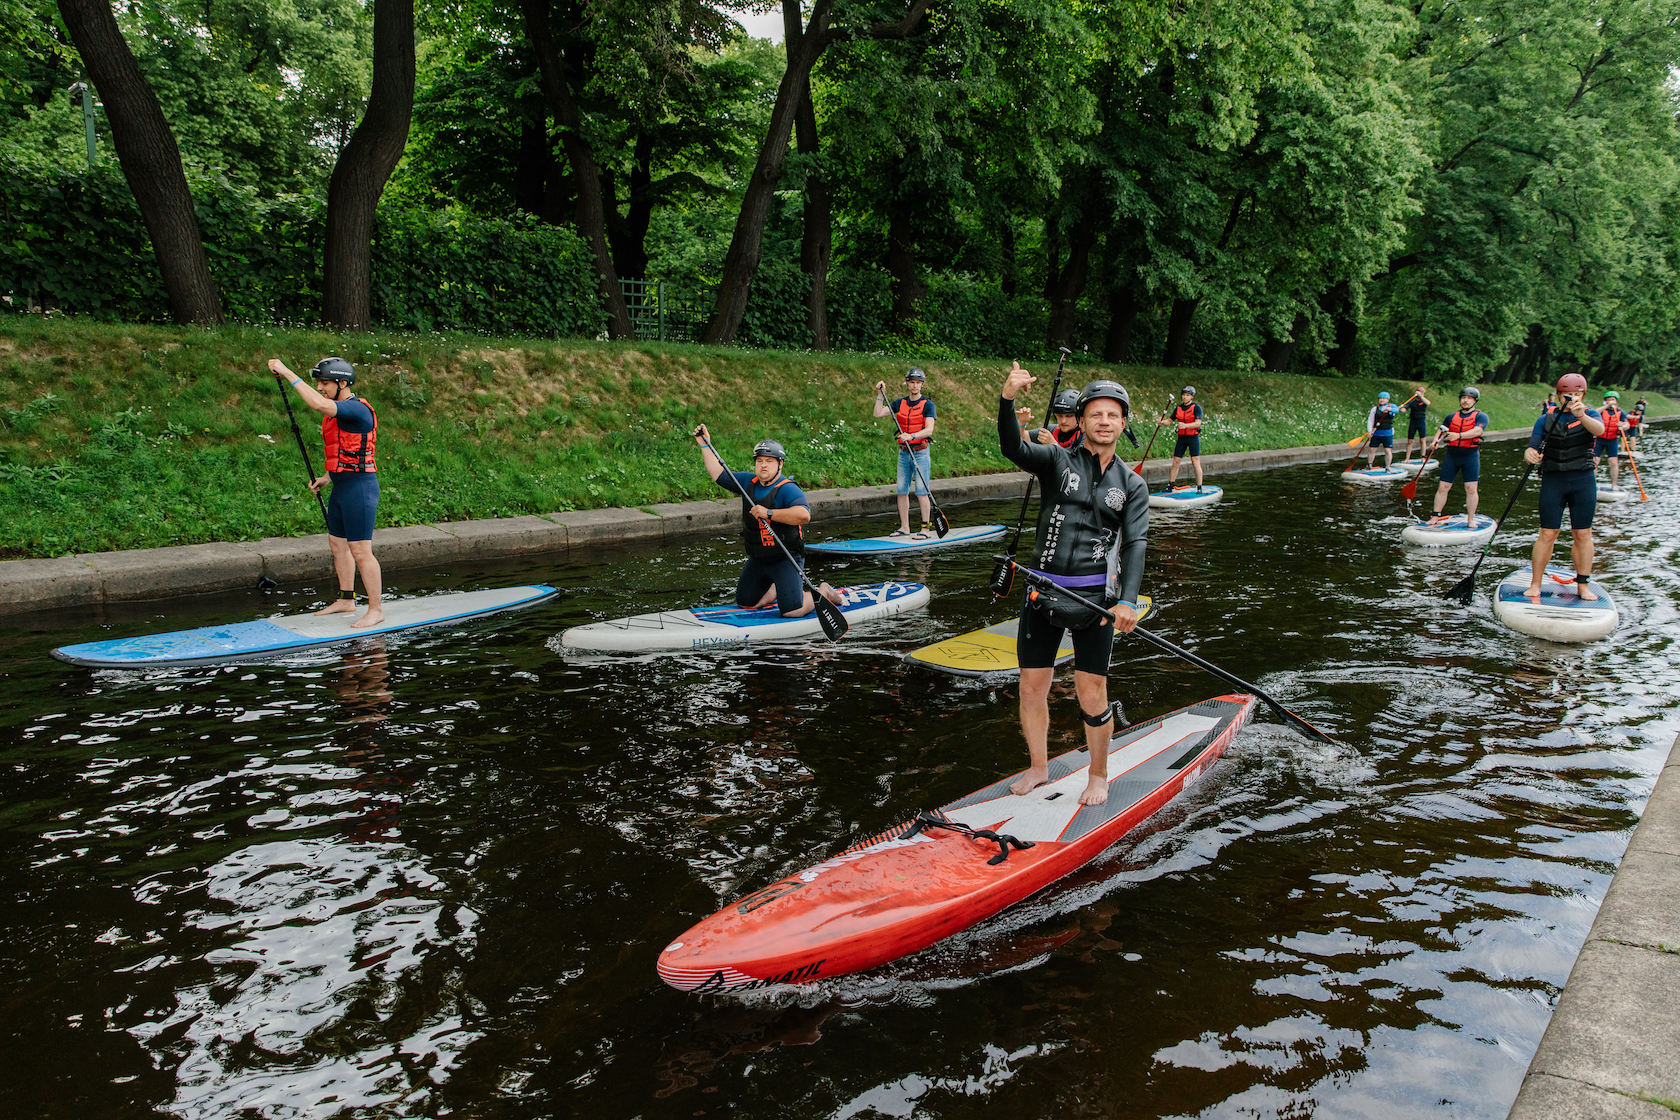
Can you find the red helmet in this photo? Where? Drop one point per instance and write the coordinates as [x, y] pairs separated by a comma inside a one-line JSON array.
[[1572, 383]]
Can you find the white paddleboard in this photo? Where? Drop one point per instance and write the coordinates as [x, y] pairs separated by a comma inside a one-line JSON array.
[[1455, 530], [1608, 493], [725, 627], [243, 641], [1415, 467], [874, 546], [1185, 497], [1376, 474], [1560, 615]]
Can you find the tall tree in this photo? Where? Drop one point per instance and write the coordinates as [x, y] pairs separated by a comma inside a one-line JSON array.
[[816, 246], [150, 158], [359, 177]]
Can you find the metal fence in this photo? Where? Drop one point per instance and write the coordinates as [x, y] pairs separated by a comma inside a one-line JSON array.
[[662, 312]]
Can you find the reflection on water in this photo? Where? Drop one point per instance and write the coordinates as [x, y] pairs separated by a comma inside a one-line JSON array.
[[430, 874]]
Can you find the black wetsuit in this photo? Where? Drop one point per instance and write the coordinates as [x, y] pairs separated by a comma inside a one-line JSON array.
[[1093, 530]]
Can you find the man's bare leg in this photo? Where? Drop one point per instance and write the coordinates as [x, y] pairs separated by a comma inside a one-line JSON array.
[[1035, 726], [1172, 473], [1583, 557], [904, 512], [1615, 472], [1196, 461], [372, 583], [1388, 458], [1470, 502], [1542, 556], [927, 507], [344, 565], [1093, 698]]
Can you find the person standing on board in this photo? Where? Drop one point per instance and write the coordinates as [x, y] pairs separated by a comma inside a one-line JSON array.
[[1567, 480], [350, 429], [1187, 418], [770, 503], [1417, 423], [1461, 434], [1610, 443], [1380, 423], [1635, 425], [1093, 529], [1066, 433], [915, 414]]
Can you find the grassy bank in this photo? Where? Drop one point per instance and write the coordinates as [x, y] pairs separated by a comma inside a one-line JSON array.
[[125, 436]]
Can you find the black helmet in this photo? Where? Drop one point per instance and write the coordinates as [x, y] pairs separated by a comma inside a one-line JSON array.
[[915, 374], [1471, 391], [1066, 403], [1191, 389], [334, 369], [1113, 390], [771, 448]]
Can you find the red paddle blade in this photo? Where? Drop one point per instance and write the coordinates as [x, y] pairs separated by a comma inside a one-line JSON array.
[[1409, 491]]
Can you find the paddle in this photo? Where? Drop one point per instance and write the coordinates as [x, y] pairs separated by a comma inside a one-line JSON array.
[[1368, 435], [286, 399], [1288, 716], [834, 624], [1644, 497], [1409, 491], [1357, 454], [1461, 591], [940, 524], [1003, 576], [1139, 468]]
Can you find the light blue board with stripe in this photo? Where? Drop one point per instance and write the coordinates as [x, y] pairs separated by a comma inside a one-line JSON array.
[[870, 546], [240, 641]]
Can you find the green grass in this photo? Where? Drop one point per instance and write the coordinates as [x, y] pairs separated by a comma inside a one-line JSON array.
[[127, 436]]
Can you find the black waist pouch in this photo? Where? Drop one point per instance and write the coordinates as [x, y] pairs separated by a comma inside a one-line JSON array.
[[1063, 611]]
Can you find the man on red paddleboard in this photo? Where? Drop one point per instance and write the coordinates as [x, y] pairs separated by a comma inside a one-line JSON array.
[[1458, 445], [1093, 528], [1567, 479], [771, 503]]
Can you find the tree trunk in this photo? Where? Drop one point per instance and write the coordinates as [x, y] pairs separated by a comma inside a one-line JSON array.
[[1278, 354], [1336, 302], [1178, 330], [359, 176], [530, 173], [1123, 307], [150, 159], [1071, 283], [746, 246], [816, 242], [907, 286], [629, 241], [591, 214]]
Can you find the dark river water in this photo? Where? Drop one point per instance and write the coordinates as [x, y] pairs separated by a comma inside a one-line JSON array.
[[431, 875]]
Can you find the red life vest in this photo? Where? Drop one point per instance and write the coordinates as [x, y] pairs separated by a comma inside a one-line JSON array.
[[1068, 439], [1612, 417], [912, 419], [1184, 414], [349, 451], [1459, 422]]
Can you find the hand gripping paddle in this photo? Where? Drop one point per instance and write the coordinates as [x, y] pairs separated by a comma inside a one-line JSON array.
[[1288, 716], [834, 624], [940, 524]]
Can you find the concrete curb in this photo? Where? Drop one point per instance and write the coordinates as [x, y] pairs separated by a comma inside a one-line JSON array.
[[1612, 1048], [157, 573]]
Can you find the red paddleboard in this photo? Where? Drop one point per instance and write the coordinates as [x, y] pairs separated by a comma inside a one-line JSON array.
[[915, 884]]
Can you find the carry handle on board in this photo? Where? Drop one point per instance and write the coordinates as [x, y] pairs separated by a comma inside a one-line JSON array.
[[834, 624], [1038, 580], [1003, 576]]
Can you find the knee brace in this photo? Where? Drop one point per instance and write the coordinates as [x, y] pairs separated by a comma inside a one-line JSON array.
[[1101, 717]]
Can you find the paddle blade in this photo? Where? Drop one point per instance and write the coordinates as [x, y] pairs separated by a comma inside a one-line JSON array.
[[1409, 491], [1357, 440], [834, 623], [1462, 591], [941, 524], [1299, 724]]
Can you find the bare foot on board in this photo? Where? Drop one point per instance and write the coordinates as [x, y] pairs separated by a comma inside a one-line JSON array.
[[1586, 593], [373, 617], [833, 595], [1096, 791], [339, 606], [1031, 780]]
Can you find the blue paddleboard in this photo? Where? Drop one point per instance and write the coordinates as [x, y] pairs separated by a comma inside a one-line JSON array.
[[1558, 613], [243, 641], [1185, 497], [872, 546]]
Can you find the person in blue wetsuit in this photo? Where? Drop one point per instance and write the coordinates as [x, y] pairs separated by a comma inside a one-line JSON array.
[[1380, 423], [1561, 445], [1093, 529], [349, 430], [1459, 447], [770, 503]]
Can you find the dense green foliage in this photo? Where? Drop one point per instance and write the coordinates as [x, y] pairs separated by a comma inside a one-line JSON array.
[[127, 436], [1480, 190]]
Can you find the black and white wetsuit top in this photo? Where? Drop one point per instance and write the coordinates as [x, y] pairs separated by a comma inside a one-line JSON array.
[[1091, 521]]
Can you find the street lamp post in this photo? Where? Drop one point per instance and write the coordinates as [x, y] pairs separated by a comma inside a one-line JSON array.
[[87, 118]]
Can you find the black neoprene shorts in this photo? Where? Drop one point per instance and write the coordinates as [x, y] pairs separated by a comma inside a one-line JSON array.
[[1037, 639]]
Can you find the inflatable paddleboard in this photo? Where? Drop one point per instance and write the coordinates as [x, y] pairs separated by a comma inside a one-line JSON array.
[[991, 652], [915, 884], [1376, 474], [1560, 615], [1185, 497], [243, 641], [873, 546], [1608, 493], [721, 627], [1455, 530], [1416, 467]]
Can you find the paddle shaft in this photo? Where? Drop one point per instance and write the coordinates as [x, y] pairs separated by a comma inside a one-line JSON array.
[[834, 623], [941, 523], [1644, 497], [1463, 588], [1139, 468], [1290, 717], [286, 399], [1409, 491]]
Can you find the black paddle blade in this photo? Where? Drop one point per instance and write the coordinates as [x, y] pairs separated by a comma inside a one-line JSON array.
[[834, 623], [941, 524], [1003, 577], [1462, 591], [1298, 723]]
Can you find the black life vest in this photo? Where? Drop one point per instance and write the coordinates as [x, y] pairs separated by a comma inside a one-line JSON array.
[[755, 534], [1568, 445]]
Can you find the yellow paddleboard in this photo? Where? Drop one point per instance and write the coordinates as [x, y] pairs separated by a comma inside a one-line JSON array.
[[990, 652]]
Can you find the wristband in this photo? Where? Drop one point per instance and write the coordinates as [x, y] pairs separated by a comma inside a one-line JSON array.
[[297, 381], [1124, 603]]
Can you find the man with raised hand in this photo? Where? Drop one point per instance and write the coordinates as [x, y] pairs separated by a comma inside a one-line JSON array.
[[1093, 529], [1417, 422], [1561, 445]]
